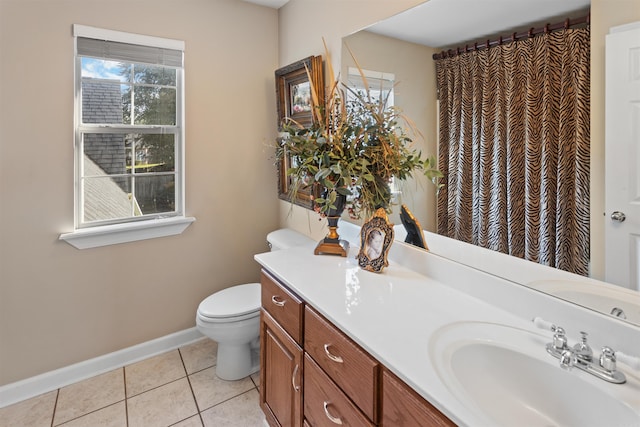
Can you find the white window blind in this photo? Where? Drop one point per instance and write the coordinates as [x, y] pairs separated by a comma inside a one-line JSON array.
[[117, 51]]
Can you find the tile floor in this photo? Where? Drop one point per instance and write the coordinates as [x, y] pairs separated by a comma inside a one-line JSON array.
[[178, 388]]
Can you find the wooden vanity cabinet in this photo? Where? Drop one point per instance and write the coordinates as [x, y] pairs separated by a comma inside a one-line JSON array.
[[313, 375], [403, 407]]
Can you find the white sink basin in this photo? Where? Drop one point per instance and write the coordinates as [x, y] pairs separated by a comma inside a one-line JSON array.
[[600, 296], [505, 376]]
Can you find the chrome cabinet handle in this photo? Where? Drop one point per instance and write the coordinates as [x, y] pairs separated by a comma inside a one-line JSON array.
[[333, 357], [293, 378], [333, 419], [277, 301], [618, 216]]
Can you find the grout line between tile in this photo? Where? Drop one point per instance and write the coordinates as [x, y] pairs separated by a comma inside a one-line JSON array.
[[196, 400], [203, 369], [193, 394], [224, 401], [254, 383], [154, 388], [126, 399], [90, 412], [55, 406], [178, 422]]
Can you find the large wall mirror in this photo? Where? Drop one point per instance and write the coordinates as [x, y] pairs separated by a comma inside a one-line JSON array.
[[402, 46]]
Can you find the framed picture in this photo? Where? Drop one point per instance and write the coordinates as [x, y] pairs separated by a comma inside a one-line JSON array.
[[293, 91], [415, 235], [376, 236]]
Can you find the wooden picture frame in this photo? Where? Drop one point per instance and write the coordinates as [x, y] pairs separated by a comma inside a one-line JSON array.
[[294, 102], [293, 90], [415, 235], [376, 236]]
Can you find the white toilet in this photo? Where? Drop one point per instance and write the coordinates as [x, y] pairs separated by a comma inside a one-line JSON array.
[[232, 317]]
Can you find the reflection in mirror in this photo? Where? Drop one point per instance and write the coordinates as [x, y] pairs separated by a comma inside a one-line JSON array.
[[415, 235], [407, 63], [379, 85], [379, 48]]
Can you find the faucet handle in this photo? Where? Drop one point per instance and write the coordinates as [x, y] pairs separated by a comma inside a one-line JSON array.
[[559, 339], [608, 359], [559, 336], [543, 324], [568, 360]]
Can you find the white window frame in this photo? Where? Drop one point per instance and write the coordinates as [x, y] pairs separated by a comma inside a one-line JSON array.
[[130, 229], [376, 80]]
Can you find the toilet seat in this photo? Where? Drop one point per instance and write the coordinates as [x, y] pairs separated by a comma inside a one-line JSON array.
[[233, 304]]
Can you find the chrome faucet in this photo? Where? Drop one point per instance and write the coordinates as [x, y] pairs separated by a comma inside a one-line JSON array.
[[582, 349], [581, 355]]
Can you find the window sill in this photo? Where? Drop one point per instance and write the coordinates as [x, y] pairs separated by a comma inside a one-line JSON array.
[[122, 233]]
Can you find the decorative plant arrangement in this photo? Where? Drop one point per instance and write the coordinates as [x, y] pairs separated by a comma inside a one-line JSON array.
[[354, 147]]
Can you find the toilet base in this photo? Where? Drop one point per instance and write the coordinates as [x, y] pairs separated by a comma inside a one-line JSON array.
[[237, 361]]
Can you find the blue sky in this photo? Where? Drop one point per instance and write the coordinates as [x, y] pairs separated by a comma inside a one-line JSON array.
[[101, 69]]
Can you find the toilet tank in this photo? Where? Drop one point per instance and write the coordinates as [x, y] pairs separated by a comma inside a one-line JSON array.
[[286, 238]]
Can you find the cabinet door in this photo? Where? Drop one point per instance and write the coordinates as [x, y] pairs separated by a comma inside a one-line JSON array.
[[403, 407], [280, 375]]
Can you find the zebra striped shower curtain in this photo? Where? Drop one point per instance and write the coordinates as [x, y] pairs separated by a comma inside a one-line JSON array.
[[514, 148]]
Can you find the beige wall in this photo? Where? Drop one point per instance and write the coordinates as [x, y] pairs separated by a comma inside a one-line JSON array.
[[604, 15], [60, 305]]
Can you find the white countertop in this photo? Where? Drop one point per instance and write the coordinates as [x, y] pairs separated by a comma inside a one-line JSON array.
[[397, 315], [392, 315]]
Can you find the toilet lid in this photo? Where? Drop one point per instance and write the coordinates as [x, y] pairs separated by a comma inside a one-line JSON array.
[[235, 301]]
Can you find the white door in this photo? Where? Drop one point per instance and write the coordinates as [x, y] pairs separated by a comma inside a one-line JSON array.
[[622, 157]]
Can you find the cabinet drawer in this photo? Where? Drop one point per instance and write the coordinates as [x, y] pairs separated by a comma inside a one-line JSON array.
[[324, 403], [284, 306], [350, 367]]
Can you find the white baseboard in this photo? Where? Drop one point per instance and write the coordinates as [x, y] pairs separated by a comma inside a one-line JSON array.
[[52, 380]]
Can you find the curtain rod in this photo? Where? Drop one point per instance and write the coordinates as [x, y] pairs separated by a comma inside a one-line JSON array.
[[532, 32]]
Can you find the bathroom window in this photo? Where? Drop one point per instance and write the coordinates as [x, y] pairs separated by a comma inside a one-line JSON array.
[[380, 84], [129, 133]]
